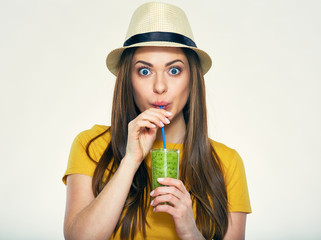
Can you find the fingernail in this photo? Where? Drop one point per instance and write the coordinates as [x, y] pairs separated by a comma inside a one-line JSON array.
[[153, 209], [153, 125], [166, 120], [151, 203], [169, 113], [162, 124], [152, 192], [160, 179]]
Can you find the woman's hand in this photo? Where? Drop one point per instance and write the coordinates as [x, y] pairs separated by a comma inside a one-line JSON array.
[[179, 206], [142, 132]]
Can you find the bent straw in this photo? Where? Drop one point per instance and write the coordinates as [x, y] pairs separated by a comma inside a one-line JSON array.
[[163, 133]]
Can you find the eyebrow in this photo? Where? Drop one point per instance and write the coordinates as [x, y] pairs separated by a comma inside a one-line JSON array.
[[174, 61], [167, 64]]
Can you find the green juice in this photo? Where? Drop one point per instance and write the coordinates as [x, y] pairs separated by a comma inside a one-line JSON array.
[[165, 163]]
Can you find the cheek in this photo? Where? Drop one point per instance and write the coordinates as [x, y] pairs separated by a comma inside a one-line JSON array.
[[136, 94], [185, 94], [182, 95], [139, 94], [138, 88], [135, 89], [185, 88]]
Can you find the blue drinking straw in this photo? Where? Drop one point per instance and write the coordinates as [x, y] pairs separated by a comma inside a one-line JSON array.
[[163, 133]]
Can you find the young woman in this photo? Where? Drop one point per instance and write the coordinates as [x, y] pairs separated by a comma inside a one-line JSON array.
[[108, 176]]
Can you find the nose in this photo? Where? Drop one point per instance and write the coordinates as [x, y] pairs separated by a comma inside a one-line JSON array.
[[160, 84]]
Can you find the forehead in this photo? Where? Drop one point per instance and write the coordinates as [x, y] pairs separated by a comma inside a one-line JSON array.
[[159, 53]]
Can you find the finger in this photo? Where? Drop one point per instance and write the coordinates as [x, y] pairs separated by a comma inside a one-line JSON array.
[[173, 182], [143, 124], [163, 111], [167, 194], [167, 198], [155, 117], [160, 112], [168, 190], [168, 209]]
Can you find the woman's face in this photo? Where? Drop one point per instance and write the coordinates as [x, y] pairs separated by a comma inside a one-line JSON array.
[[160, 77]]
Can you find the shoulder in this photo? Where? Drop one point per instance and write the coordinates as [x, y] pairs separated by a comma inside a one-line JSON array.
[[98, 145], [222, 149], [92, 132], [79, 161], [228, 157], [86, 136], [235, 178]]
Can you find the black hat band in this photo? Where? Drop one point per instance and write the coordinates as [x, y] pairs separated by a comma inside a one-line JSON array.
[[160, 37]]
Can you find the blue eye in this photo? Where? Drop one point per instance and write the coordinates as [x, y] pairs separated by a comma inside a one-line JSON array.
[[144, 71], [174, 71]]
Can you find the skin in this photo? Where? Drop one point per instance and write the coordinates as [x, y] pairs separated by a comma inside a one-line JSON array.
[[159, 75], [166, 81]]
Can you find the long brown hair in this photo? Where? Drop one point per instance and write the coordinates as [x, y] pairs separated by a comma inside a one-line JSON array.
[[200, 170]]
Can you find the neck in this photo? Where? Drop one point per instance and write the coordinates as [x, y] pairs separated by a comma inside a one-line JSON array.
[[175, 131]]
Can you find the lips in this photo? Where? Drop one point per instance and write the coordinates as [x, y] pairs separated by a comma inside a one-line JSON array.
[[161, 103]]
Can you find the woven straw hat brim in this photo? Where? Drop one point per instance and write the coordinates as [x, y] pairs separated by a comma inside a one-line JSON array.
[[114, 56]]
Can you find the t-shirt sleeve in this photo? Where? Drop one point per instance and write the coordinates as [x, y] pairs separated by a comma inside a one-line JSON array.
[[236, 186], [79, 162]]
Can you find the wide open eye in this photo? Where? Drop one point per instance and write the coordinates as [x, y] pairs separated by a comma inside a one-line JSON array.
[[144, 71], [174, 70]]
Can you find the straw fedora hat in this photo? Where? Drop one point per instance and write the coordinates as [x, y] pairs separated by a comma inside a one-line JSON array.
[[162, 25]]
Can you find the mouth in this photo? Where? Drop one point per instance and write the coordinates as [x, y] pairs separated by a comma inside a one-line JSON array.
[[159, 104]]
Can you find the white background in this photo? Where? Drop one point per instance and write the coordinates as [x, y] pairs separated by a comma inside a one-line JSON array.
[[263, 100]]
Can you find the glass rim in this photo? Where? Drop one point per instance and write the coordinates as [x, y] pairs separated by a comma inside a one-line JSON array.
[[165, 150]]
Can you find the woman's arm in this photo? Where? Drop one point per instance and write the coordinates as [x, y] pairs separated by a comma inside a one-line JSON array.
[[180, 208], [236, 226], [88, 217]]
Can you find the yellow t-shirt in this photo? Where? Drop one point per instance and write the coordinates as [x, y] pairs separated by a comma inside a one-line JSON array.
[[161, 224]]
